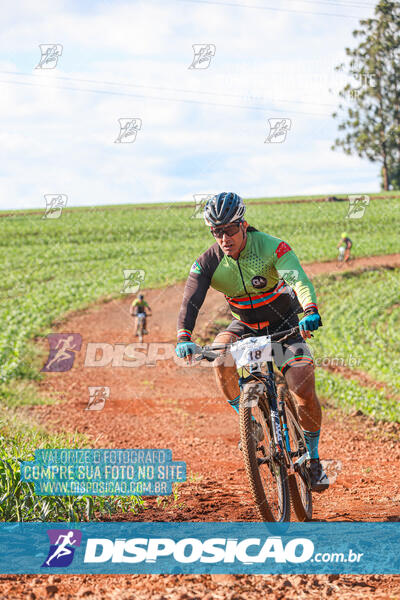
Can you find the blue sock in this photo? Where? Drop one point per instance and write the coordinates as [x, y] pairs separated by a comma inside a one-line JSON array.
[[312, 439], [235, 403]]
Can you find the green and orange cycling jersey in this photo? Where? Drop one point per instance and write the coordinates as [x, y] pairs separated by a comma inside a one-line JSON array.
[[140, 306], [263, 287]]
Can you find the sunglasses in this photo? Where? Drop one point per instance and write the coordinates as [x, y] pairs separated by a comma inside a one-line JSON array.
[[230, 230]]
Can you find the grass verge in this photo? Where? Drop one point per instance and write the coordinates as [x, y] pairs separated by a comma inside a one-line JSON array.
[[18, 501]]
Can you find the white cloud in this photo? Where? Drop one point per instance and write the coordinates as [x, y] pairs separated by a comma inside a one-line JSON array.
[[57, 135]]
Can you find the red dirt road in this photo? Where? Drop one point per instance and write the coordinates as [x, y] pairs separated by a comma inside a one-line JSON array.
[[178, 407]]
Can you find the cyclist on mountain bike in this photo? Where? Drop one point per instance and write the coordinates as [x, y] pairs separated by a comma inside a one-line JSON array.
[[139, 306], [251, 269], [348, 243]]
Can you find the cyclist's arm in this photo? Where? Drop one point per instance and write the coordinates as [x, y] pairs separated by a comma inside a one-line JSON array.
[[286, 260], [194, 294]]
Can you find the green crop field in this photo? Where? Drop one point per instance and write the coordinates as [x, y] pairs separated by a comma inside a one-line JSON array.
[[49, 267], [361, 316], [393, 194]]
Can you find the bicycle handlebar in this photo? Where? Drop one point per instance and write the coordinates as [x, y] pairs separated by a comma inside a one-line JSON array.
[[208, 352]]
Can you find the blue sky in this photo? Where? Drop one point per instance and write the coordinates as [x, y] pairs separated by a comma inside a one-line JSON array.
[[203, 130]]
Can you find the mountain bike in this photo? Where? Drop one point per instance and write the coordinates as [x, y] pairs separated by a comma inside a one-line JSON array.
[[140, 318], [340, 257], [276, 467]]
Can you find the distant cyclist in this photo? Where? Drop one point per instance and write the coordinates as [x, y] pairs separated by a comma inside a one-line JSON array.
[[139, 306], [346, 241], [253, 269]]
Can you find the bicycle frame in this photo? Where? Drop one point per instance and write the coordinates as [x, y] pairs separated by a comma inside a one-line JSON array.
[[279, 425], [275, 464], [278, 413]]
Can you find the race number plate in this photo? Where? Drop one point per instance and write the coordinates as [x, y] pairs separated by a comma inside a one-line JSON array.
[[254, 349]]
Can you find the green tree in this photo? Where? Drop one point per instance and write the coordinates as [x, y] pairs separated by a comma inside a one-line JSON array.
[[371, 121]]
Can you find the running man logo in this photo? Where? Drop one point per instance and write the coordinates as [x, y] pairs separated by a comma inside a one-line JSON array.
[[62, 351], [200, 201], [357, 206], [203, 54], [50, 54], [54, 205], [62, 547], [128, 129], [97, 397], [133, 279], [278, 129]]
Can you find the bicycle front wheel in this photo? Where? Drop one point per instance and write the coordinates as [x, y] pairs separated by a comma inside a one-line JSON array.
[[265, 467], [139, 330]]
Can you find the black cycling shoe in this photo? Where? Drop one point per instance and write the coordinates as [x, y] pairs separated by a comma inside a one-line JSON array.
[[319, 479]]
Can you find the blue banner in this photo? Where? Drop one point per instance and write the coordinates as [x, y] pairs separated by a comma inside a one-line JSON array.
[[252, 548]]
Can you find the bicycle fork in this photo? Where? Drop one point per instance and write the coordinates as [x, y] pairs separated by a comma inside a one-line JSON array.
[[269, 382]]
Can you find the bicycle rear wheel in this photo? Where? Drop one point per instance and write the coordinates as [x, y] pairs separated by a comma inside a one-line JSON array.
[[299, 484], [265, 469]]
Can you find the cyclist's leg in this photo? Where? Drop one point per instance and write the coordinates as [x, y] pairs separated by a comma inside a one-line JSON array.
[[301, 382], [225, 369], [298, 370], [296, 364]]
